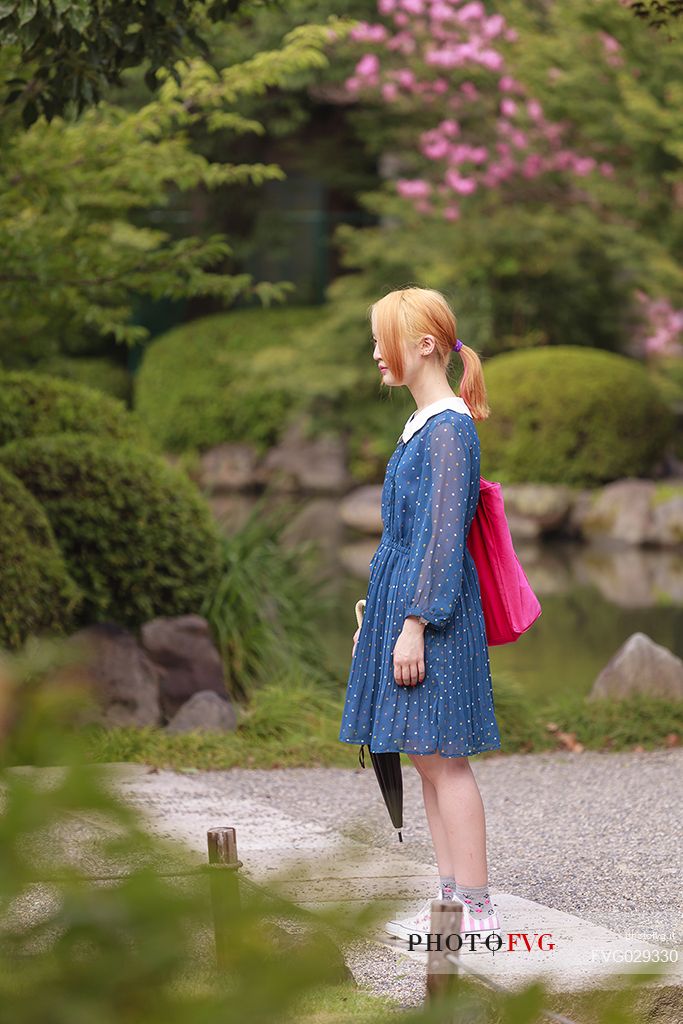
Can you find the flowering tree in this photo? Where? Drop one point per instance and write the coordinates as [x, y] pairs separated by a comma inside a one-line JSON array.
[[563, 121], [446, 45]]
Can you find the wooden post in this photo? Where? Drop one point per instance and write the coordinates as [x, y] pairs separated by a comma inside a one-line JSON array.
[[444, 925], [224, 886]]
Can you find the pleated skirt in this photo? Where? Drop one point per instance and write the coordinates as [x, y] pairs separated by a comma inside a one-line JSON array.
[[452, 710]]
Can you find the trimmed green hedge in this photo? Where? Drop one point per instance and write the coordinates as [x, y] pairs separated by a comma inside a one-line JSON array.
[[228, 377], [92, 371], [36, 591], [136, 534], [33, 404], [573, 415]]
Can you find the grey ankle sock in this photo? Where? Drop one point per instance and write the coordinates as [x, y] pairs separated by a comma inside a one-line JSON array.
[[476, 899], [447, 887]]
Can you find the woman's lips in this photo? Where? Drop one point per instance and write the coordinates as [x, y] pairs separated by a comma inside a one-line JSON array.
[[383, 369]]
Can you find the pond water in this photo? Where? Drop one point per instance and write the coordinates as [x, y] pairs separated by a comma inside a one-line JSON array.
[[592, 600]]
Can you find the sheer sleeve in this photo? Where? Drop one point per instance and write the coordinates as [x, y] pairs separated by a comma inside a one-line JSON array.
[[435, 568]]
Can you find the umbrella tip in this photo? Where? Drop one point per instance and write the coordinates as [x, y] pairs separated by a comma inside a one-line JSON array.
[[400, 837]]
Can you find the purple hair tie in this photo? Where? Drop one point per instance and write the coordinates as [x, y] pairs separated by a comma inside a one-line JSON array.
[[458, 345]]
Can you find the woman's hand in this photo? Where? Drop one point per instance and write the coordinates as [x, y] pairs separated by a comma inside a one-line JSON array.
[[355, 641], [409, 653]]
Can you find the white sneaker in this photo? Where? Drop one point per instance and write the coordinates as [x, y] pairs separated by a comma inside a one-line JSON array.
[[474, 930], [416, 925]]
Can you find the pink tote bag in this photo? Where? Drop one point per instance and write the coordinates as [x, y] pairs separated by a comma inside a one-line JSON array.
[[510, 605]]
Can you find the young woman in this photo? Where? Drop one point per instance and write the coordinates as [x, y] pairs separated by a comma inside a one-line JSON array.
[[420, 679]]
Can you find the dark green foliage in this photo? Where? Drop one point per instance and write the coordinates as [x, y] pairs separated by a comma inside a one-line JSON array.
[[72, 50], [264, 612], [571, 415], [228, 377], [135, 533], [37, 592], [35, 403], [93, 371], [657, 12]]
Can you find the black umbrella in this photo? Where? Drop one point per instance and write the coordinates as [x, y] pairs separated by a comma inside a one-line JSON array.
[[388, 771], [387, 765]]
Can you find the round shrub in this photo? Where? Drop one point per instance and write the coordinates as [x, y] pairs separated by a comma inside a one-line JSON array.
[[35, 403], [92, 371], [228, 377], [135, 533], [36, 591], [573, 415]]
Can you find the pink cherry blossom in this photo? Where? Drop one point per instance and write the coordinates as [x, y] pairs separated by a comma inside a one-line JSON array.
[[609, 42], [457, 36], [441, 12], [405, 77], [493, 26], [584, 165], [365, 33], [508, 84], [435, 148], [368, 65], [413, 188], [491, 59], [661, 333], [471, 11], [469, 90], [450, 127], [464, 186], [402, 41]]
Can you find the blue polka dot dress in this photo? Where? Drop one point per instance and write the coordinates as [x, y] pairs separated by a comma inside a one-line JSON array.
[[422, 566]]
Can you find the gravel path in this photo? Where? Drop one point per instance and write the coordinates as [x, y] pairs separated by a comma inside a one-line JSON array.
[[596, 835], [591, 833]]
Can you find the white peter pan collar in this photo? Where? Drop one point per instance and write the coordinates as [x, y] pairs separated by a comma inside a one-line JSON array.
[[418, 419]]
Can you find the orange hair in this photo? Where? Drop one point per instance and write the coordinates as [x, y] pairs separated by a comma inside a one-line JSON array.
[[405, 315]]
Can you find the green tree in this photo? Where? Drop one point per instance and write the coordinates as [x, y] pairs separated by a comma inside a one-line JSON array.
[[73, 259], [71, 50]]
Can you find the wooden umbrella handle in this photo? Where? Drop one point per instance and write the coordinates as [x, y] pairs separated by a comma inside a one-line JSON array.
[[360, 609]]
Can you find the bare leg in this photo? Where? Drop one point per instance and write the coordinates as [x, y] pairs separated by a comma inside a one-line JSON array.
[[461, 819], [439, 835]]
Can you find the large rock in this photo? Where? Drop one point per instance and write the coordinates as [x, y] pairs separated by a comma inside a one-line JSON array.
[[632, 511], [205, 711], [183, 649], [123, 680], [581, 506], [232, 510], [640, 666], [362, 509], [355, 560], [546, 506], [307, 464], [620, 512], [666, 521], [228, 467], [316, 520]]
